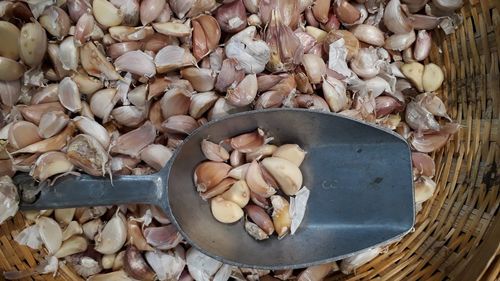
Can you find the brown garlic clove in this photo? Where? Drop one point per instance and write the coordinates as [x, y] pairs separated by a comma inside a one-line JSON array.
[[208, 174], [238, 193], [10, 70], [281, 215], [22, 134], [33, 44], [220, 188], [290, 152], [135, 265], [248, 142], [10, 38], [225, 211], [214, 152], [259, 216], [86, 153], [261, 152], [286, 173], [163, 237], [256, 182]]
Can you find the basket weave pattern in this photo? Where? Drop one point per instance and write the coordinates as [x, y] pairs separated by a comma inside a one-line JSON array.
[[457, 233]]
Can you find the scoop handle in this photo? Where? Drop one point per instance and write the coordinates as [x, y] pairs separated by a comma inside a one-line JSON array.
[[85, 191]]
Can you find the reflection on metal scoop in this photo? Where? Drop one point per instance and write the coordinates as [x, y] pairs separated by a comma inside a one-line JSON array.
[[359, 175]]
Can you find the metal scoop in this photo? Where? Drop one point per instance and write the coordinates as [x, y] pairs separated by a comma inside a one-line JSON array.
[[359, 175]]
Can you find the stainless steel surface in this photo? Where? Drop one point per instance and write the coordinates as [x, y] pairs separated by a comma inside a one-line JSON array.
[[359, 175]]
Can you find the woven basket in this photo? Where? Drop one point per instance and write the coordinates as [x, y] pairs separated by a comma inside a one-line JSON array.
[[457, 233]]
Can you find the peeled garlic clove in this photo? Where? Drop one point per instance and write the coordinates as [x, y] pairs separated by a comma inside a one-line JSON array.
[[136, 62], [401, 41], [256, 182], [10, 70], [291, 152], [220, 188], [213, 151], [69, 95], [201, 79], [113, 236], [95, 63], [32, 44], [106, 13], [10, 91], [225, 211], [238, 193], [50, 164], [134, 141], [248, 142], [91, 127], [243, 94], [396, 17], [314, 66], [91, 228], [85, 152], [208, 174], [414, 72], [422, 45], [432, 78], [22, 134], [335, 94], [424, 189], [51, 234], [55, 21], [156, 155], [201, 103], [259, 216], [175, 29], [173, 57], [369, 34], [10, 37], [286, 173], [73, 245], [135, 265], [180, 124], [107, 261], [150, 10], [281, 215], [71, 230]]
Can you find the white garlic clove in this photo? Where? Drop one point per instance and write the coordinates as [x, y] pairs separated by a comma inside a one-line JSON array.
[[69, 54], [92, 128], [91, 228], [56, 142], [136, 62], [22, 134], [238, 193], [424, 189], [175, 102], [150, 10], [244, 93], [113, 236], [314, 66], [156, 155], [73, 245], [335, 94], [134, 141], [180, 124], [256, 182], [95, 63], [73, 228], [69, 95], [175, 29], [9, 197], [213, 151], [286, 173], [130, 116], [64, 216], [106, 13], [201, 79], [51, 234], [396, 17], [167, 266], [239, 172], [127, 33], [173, 57], [208, 174], [201, 103], [400, 42], [86, 84], [49, 164], [261, 152], [225, 211], [291, 152], [369, 34]]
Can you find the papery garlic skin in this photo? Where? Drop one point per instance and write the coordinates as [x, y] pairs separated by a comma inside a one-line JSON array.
[[9, 198]]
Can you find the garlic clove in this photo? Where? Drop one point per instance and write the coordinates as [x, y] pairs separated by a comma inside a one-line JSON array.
[[432, 78], [56, 142], [335, 94], [314, 66], [231, 16], [10, 70], [130, 116], [106, 13], [92, 128], [396, 17], [346, 12], [50, 164], [10, 91], [95, 63], [214, 152], [238, 193], [136, 62], [51, 234], [281, 215], [201, 79], [118, 262], [423, 164], [422, 45], [175, 29], [286, 173], [71, 230], [163, 237], [156, 155], [243, 94], [225, 211], [69, 53], [33, 44], [220, 188], [73, 245], [150, 10], [201, 103], [239, 172], [134, 141], [165, 14], [255, 231], [91, 228], [229, 74], [107, 261], [167, 266], [135, 265], [414, 72], [69, 95], [85, 214], [55, 21], [83, 29], [290, 152], [259, 216], [175, 102], [320, 10], [87, 85], [208, 174], [369, 34], [85, 152], [113, 236], [135, 236], [117, 49], [173, 57], [22, 134], [10, 37], [55, 57], [261, 152], [180, 124], [64, 216], [256, 182], [119, 275], [429, 142], [424, 189], [137, 96], [236, 158], [127, 33], [155, 116], [351, 43], [101, 103], [248, 142], [317, 272], [400, 41]]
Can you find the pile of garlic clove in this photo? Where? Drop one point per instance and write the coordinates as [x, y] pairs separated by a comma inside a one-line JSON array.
[[112, 87], [252, 169]]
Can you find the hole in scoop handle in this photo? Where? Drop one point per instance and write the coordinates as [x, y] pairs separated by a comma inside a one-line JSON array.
[[85, 191]]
